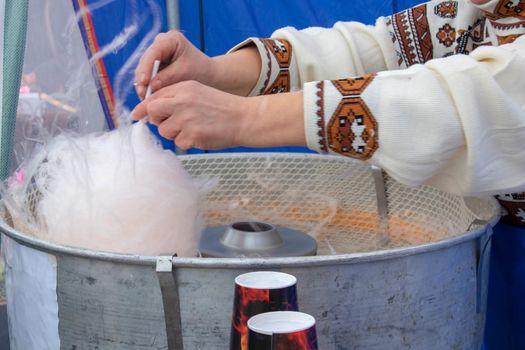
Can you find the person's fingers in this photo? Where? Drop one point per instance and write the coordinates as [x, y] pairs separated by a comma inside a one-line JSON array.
[[140, 90], [143, 70], [176, 72], [163, 48], [140, 110], [183, 141], [166, 48], [168, 130], [169, 75], [144, 108], [159, 110]]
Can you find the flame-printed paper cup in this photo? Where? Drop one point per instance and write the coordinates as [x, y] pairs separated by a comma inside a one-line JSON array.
[[258, 292], [282, 330]]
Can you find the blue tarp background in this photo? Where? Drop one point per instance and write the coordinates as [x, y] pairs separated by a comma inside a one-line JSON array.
[[217, 25], [505, 327], [111, 19]]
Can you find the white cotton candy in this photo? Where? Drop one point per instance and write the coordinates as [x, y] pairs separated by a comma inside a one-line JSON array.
[[119, 192]]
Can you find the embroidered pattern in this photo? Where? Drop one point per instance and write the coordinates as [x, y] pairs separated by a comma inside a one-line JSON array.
[[320, 116], [518, 196], [268, 71], [508, 8], [507, 33], [446, 9], [520, 25], [412, 32], [507, 39], [352, 129], [282, 51], [446, 35], [473, 37], [514, 204]]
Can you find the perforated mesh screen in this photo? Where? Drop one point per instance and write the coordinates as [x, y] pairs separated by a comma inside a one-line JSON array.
[[331, 198]]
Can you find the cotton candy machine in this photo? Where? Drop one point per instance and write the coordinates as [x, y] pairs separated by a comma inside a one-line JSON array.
[[396, 267]]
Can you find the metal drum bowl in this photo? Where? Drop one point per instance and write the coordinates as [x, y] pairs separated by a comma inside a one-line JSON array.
[[411, 273]]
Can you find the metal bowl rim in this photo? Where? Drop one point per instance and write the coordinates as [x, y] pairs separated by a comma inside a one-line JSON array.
[[197, 262], [251, 263]]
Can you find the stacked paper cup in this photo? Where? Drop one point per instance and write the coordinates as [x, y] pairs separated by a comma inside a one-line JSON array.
[[265, 314]]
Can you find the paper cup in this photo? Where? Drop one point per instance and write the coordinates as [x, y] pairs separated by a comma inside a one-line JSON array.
[[258, 292], [282, 330]]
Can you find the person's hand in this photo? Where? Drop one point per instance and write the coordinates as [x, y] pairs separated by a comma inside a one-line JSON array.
[[236, 72], [196, 115], [179, 59]]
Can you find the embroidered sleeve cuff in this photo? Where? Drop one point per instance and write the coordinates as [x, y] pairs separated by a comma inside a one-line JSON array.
[[277, 67], [337, 120], [498, 9]]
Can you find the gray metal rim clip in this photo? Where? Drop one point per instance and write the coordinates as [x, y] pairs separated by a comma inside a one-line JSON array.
[[170, 299], [482, 245], [382, 203]]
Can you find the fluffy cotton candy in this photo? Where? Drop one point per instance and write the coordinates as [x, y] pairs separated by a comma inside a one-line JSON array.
[[119, 192]]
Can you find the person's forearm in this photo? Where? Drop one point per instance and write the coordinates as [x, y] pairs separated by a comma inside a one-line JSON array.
[[454, 123], [272, 120], [237, 72]]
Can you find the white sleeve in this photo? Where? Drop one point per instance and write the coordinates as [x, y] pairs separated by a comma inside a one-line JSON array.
[[293, 57], [346, 49], [456, 123]]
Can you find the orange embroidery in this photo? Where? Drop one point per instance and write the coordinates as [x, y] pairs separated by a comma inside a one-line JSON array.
[[282, 51], [353, 86], [411, 29], [446, 35], [510, 8], [507, 39], [446, 9], [281, 84], [352, 129]]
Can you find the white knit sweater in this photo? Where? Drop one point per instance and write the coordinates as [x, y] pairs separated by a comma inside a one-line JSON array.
[[433, 95]]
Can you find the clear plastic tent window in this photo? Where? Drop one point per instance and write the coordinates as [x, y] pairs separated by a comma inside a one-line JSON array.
[[58, 87], [65, 84]]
